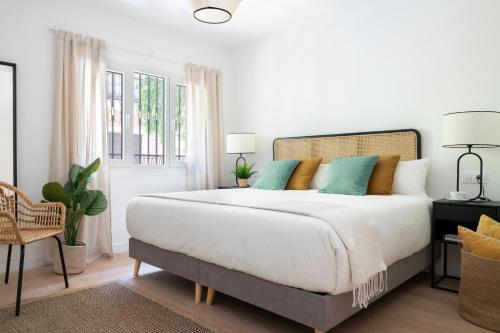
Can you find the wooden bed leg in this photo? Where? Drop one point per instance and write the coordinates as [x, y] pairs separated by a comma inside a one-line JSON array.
[[136, 267], [197, 293], [210, 296]]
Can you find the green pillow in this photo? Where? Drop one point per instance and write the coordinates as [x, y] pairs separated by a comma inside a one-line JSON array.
[[275, 175], [350, 175]]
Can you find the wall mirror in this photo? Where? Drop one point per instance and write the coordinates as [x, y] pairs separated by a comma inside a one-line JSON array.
[[8, 172]]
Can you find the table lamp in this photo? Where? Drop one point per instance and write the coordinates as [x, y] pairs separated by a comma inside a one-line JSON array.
[[471, 129], [240, 143]]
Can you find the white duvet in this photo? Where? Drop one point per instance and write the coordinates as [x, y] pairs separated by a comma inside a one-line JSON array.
[[290, 249]]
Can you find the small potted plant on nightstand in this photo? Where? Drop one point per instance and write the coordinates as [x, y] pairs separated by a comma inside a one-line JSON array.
[[79, 202], [243, 172]]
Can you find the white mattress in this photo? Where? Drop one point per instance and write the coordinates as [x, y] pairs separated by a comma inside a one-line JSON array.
[[293, 250]]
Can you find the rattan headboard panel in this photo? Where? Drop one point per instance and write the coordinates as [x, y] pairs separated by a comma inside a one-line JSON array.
[[404, 142]]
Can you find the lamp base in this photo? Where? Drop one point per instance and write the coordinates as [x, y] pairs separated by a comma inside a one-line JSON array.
[[240, 158], [482, 198]]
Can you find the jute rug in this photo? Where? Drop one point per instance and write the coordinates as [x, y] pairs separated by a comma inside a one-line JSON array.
[[108, 308]]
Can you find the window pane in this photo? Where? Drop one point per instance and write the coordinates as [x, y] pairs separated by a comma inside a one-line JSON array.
[[114, 102], [149, 114], [180, 122]]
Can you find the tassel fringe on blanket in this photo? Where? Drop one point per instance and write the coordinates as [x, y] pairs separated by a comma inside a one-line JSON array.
[[364, 293]]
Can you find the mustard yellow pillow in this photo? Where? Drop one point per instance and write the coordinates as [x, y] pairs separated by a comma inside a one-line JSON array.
[[488, 227], [303, 174], [480, 245], [383, 175]]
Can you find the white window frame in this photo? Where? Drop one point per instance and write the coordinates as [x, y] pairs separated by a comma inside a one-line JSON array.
[[166, 117], [175, 80], [128, 70], [123, 112]]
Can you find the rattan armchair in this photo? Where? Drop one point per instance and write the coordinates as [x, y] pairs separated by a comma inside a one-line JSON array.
[[23, 222]]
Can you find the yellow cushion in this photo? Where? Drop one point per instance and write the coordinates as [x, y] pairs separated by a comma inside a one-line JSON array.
[[383, 175], [480, 245], [303, 174], [488, 227]]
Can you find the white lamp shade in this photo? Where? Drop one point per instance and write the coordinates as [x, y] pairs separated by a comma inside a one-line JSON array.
[[240, 143], [214, 11], [480, 129]]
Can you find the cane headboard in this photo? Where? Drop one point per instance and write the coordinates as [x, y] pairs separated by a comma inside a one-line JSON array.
[[405, 142]]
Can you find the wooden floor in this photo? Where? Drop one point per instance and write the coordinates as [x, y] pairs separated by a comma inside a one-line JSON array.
[[413, 307]]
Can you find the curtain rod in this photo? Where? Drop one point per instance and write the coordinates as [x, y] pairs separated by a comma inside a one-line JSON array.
[[151, 53]]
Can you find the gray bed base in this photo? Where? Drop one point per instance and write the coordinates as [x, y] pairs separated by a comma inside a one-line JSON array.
[[319, 311]]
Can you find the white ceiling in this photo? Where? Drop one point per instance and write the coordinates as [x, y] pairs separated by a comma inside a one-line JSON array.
[[252, 20]]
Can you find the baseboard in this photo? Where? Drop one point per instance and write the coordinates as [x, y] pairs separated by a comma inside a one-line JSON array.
[[120, 247], [33, 262], [39, 261]]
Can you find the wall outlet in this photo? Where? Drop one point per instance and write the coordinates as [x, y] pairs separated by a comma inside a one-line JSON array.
[[469, 177]]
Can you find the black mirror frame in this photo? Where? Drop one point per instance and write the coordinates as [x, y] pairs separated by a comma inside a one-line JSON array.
[[14, 116]]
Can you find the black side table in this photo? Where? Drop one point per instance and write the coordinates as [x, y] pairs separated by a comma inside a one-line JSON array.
[[446, 217]]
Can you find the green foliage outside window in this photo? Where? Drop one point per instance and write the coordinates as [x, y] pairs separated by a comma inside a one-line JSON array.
[[152, 94], [180, 121]]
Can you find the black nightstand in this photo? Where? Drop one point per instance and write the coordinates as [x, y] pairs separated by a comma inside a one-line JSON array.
[[446, 216]]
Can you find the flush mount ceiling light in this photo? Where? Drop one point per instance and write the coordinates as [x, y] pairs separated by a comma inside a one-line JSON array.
[[214, 11]]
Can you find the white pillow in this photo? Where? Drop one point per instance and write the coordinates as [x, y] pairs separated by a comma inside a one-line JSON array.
[[320, 178], [410, 177]]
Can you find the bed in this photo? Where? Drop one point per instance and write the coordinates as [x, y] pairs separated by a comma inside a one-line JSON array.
[[242, 243]]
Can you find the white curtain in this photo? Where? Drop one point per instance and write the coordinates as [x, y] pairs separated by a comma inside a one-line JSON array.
[[204, 127], [79, 127]]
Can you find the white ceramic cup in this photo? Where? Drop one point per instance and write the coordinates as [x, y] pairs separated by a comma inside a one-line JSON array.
[[457, 195]]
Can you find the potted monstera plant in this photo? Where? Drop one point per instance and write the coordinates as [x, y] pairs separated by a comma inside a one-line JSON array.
[[79, 202]]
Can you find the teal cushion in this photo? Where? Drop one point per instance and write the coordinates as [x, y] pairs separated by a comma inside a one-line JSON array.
[[275, 175], [350, 175]]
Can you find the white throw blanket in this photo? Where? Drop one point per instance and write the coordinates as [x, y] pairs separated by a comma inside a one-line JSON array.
[[354, 226]]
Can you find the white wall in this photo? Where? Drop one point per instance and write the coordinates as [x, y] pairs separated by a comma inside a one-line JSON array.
[[27, 40], [374, 65]]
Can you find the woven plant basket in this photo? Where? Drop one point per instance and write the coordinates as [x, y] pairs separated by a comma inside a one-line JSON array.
[[480, 291]]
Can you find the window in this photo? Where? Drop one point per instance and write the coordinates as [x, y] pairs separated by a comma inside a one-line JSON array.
[[147, 113], [114, 107], [180, 122], [148, 119]]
